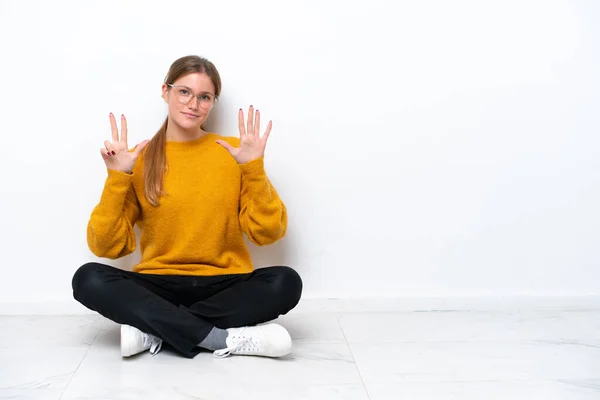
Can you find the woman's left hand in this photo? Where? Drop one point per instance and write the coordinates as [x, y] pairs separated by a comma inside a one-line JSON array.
[[252, 146]]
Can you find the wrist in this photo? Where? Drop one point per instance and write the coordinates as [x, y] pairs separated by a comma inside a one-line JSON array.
[[249, 160]]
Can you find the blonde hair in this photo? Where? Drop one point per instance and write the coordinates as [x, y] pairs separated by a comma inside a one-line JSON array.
[[155, 160]]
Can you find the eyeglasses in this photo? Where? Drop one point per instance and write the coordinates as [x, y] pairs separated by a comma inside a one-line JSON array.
[[184, 94]]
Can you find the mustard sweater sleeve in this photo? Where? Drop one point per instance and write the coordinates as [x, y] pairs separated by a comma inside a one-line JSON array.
[[110, 231], [263, 216]]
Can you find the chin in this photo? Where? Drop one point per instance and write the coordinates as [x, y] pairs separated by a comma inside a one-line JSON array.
[[190, 125]]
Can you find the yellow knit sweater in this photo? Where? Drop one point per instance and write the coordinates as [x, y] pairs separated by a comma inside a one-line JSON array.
[[198, 227]]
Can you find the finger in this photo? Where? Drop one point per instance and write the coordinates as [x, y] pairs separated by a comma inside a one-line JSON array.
[[138, 149], [113, 128], [241, 123], [250, 128], [123, 129], [109, 147], [267, 132], [227, 146], [257, 124], [105, 154]]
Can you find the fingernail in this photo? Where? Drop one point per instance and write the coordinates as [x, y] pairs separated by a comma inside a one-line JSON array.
[[113, 153]]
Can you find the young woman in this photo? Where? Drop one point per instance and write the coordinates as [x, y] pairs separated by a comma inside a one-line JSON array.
[[193, 195]]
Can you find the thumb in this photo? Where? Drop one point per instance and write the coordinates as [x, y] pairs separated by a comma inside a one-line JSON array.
[[138, 149], [227, 146]]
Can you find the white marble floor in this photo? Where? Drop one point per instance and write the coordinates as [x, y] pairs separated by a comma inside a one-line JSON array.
[[356, 356]]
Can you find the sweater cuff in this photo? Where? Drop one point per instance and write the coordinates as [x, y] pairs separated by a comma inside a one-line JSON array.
[[254, 169], [118, 180], [115, 189]]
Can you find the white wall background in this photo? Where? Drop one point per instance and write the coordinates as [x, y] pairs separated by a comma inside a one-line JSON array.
[[426, 148]]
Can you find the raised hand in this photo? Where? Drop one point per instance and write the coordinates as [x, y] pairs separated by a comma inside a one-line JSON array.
[[252, 145], [116, 154]]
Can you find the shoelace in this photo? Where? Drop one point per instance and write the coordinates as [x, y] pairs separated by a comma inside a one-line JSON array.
[[244, 344], [154, 342]]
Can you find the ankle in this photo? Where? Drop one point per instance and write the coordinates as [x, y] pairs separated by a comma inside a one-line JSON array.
[[215, 340]]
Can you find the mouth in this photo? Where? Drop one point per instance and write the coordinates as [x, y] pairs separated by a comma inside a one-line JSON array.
[[189, 115]]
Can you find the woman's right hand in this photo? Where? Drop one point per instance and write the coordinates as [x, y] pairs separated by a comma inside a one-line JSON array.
[[116, 154]]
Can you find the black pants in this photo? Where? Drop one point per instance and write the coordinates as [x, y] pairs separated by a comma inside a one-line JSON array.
[[181, 310]]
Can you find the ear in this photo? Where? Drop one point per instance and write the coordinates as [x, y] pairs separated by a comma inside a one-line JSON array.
[[165, 93]]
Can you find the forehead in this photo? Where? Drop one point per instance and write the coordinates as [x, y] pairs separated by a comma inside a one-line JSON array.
[[198, 82]]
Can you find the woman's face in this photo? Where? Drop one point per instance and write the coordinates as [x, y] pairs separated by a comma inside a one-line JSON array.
[[190, 99]]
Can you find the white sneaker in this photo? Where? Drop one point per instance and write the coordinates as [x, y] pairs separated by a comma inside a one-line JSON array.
[[270, 340], [134, 341]]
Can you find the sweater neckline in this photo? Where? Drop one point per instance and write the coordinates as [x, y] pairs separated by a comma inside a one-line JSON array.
[[189, 143]]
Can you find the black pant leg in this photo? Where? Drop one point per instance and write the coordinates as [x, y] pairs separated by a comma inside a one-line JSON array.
[[147, 302], [255, 298]]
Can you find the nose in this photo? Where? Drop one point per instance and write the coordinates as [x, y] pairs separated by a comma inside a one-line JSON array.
[[193, 104]]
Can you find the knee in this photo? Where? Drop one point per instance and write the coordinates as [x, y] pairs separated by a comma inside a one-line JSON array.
[[287, 287], [87, 281]]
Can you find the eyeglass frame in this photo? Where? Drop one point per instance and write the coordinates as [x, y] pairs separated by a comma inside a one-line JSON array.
[[194, 95]]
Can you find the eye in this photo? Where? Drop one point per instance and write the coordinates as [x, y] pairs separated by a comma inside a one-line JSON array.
[[206, 97], [184, 92]]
